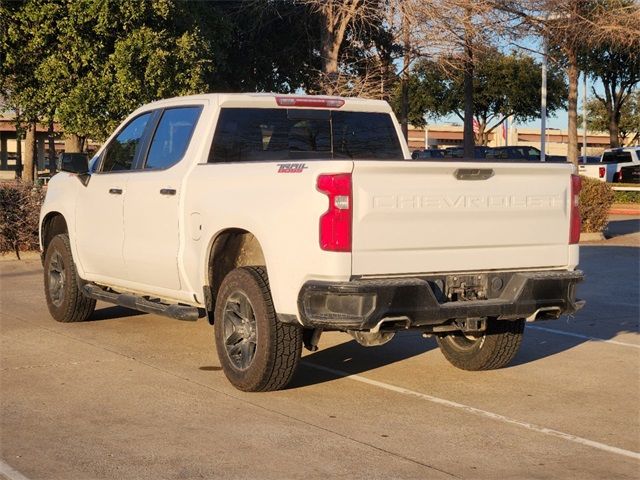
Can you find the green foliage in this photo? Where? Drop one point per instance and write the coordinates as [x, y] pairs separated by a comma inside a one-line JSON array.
[[616, 65], [596, 198], [626, 196], [19, 214], [629, 123], [268, 46], [91, 62], [504, 85]]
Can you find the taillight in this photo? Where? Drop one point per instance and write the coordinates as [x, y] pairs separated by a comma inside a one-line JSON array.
[[335, 223], [601, 172], [574, 231]]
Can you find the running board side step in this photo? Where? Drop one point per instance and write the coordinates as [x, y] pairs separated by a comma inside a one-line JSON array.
[[128, 300]]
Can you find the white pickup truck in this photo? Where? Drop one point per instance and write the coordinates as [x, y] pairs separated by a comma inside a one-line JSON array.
[[617, 159], [280, 217]]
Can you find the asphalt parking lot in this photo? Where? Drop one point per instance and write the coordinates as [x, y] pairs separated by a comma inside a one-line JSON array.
[[132, 395]]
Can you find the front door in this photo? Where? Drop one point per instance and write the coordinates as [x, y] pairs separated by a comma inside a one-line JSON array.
[[99, 227]]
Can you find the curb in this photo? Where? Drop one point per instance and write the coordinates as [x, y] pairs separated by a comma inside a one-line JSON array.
[[624, 211], [591, 237]]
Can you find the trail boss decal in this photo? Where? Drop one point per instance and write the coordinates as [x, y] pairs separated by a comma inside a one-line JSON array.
[[291, 167]]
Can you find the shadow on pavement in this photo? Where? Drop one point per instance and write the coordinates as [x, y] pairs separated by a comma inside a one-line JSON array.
[[353, 359], [611, 289], [622, 227], [113, 313]]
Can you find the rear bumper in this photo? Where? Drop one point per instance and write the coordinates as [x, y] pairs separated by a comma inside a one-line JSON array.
[[421, 301]]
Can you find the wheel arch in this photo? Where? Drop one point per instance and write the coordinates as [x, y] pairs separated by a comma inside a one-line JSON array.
[[53, 224], [230, 249]]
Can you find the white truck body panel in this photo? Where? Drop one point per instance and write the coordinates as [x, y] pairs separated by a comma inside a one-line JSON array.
[[417, 217]]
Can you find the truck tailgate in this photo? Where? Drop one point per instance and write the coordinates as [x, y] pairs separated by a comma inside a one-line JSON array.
[[426, 217]]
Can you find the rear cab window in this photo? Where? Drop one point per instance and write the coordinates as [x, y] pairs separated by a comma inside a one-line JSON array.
[[616, 157], [269, 134]]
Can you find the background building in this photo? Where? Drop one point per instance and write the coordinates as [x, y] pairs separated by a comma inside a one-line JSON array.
[[442, 136]]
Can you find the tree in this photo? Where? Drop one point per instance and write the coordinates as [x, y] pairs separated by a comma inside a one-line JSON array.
[[357, 25], [260, 46], [89, 63], [503, 86], [116, 56], [336, 16], [457, 30], [23, 91], [618, 68], [629, 120], [572, 27]]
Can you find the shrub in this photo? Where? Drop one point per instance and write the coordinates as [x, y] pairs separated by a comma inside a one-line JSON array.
[[19, 213], [626, 196], [596, 198]]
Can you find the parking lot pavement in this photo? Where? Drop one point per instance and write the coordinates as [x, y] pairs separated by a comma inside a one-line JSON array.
[[133, 395]]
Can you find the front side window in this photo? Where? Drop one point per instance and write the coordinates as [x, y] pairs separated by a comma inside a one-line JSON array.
[[264, 134], [172, 137], [121, 152], [534, 154]]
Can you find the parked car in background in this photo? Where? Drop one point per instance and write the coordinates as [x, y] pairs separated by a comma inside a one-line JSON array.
[[589, 159], [591, 167], [617, 158], [427, 154], [521, 152], [458, 152], [630, 174]]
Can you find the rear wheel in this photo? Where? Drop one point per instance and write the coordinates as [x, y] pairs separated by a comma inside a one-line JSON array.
[[256, 351], [492, 349], [65, 300]]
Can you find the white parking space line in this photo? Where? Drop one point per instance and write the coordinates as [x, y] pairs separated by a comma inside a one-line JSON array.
[[480, 413], [584, 337], [9, 472]]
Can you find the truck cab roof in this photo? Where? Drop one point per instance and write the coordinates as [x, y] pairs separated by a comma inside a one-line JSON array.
[[275, 100]]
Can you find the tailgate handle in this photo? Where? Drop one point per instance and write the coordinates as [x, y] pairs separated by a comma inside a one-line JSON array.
[[473, 173]]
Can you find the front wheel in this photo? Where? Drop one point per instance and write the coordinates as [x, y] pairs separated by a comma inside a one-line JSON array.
[[66, 302], [494, 348], [257, 352]]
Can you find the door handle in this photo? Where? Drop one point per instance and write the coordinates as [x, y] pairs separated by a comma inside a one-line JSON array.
[[473, 173], [115, 191], [167, 191]]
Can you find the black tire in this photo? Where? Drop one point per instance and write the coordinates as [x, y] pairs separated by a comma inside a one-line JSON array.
[[493, 349], [257, 352], [65, 300]]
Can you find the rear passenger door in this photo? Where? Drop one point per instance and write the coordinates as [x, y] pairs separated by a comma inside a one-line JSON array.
[[151, 206]]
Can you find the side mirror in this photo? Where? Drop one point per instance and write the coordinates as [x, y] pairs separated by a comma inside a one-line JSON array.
[[77, 163]]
